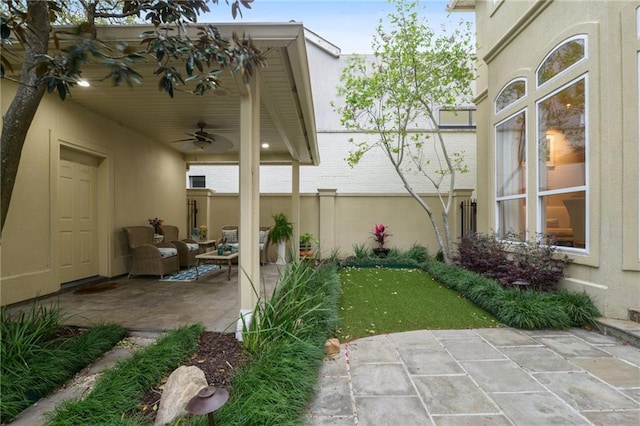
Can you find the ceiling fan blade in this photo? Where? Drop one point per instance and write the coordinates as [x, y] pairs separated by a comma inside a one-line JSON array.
[[189, 147], [183, 140]]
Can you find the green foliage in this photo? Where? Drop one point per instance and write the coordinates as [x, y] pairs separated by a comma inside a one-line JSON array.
[[285, 339], [418, 253], [201, 56], [360, 251], [382, 300], [36, 360], [120, 388], [274, 388], [394, 98], [531, 310], [515, 308], [305, 240], [301, 307], [578, 306], [282, 229]]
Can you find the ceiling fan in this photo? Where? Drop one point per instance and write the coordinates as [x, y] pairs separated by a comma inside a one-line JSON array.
[[202, 141]]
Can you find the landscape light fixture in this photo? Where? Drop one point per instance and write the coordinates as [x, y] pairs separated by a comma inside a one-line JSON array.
[[208, 400]]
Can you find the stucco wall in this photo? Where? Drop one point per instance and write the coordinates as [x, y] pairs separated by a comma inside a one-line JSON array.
[[349, 222], [514, 39], [139, 179]]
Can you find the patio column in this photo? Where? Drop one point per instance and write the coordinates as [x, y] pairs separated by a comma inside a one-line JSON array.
[[249, 260], [295, 207], [327, 221]]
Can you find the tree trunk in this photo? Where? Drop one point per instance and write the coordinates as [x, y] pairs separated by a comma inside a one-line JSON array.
[[20, 113]]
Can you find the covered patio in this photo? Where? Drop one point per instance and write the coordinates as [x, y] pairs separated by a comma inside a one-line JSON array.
[[146, 304], [134, 146]]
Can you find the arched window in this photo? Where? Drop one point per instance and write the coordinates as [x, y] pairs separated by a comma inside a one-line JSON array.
[[563, 57], [510, 93]]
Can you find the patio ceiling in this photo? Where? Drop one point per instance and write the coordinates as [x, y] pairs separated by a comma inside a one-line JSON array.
[[287, 118]]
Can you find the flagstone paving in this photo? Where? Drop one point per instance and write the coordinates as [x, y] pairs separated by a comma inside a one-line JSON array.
[[492, 377]]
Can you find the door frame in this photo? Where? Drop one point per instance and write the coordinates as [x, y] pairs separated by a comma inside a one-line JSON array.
[[105, 198]]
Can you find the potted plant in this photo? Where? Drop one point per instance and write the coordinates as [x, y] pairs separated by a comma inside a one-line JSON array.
[[305, 245], [280, 234], [380, 235]]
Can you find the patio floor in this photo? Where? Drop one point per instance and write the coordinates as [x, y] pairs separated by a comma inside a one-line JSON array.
[[147, 304]]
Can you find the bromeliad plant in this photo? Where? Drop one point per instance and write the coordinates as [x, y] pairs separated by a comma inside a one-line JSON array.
[[380, 234]]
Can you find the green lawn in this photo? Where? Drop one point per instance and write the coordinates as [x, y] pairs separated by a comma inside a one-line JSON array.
[[379, 300]]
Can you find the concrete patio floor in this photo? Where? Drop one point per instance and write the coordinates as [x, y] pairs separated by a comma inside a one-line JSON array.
[[497, 376], [149, 305]]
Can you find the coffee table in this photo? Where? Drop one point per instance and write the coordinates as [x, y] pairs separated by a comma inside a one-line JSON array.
[[218, 258]]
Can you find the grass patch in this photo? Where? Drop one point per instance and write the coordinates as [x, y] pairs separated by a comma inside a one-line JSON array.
[[37, 358], [381, 300]]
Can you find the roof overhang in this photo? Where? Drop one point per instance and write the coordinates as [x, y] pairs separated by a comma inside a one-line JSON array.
[[287, 121], [461, 5]]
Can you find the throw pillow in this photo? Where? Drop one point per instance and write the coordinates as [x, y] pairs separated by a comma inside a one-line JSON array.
[[231, 235]]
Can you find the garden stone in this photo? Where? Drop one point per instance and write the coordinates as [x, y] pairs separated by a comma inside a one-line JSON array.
[[332, 347], [183, 384]]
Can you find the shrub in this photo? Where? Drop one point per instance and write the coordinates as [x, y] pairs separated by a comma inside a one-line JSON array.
[[360, 251], [418, 253], [531, 310], [526, 309], [507, 261], [36, 359], [578, 306], [120, 388]]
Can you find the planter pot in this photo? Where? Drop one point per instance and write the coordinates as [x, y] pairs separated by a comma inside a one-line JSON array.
[[281, 253], [381, 252], [306, 252]]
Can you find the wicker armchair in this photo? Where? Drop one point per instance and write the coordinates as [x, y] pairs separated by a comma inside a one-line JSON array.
[[263, 241], [187, 248], [146, 258]]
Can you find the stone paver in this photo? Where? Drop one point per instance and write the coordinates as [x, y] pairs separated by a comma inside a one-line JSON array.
[[491, 377]]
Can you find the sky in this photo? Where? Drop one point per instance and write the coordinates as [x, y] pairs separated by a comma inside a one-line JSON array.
[[348, 24]]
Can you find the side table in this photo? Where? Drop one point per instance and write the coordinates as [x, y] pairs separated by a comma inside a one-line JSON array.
[[204, 245]]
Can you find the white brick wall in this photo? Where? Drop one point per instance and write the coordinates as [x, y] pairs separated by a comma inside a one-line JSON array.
[[374, 173]]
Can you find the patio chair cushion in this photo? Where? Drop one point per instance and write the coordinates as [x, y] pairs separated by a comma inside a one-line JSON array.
[[167, 252], [193, 246], [231, 235]]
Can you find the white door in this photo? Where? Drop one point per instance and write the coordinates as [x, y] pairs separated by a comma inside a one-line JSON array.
[[77, 207]]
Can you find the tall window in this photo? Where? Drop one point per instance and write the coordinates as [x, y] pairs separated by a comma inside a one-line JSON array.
[[511, 176], [562, 166]]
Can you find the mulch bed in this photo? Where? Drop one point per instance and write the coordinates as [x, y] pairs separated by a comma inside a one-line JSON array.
[[219, 355]]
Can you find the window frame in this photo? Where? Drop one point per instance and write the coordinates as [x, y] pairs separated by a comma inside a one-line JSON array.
[[520, 99], [581, 36], [471, 115], [540, 194], [191, 181], [525, 194]]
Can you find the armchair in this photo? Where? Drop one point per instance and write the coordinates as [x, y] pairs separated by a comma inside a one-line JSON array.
[[148, 258], [187, 248], [230, 234]]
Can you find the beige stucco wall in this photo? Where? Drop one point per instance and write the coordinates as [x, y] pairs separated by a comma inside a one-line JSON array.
[[514, 39], [138, 179], [349, 221]]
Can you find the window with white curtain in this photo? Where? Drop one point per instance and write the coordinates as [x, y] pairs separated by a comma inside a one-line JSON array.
[[511, 176]]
